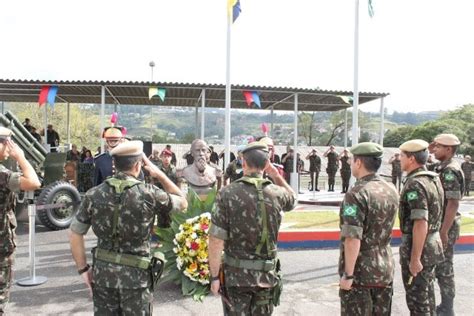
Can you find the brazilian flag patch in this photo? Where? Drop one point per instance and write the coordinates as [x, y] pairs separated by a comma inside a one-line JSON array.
[[350, 210], [411, 196], [449, 176]]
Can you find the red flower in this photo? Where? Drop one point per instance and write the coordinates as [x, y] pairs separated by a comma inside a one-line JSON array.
[[194, 245], [204, 226]]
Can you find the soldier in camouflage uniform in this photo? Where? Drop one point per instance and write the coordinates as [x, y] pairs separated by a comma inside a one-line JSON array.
[[314, 169], [444, 148], [10, 184], [396, 170], [466, 167], [367, 215], [345, 160], [421, 211], [168, 169], [234, 169], [332, 166], [121, 212], [245, 226]]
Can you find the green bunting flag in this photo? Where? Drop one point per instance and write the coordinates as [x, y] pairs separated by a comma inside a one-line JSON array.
[[161, 92]]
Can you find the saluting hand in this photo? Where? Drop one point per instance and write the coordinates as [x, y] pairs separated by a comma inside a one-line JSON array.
[[15, 150]]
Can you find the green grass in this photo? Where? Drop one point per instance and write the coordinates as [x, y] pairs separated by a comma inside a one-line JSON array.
[[330, 220]]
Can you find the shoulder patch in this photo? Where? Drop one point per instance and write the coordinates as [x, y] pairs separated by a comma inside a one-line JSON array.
[[449, 176], [350, 210], [412, 195]]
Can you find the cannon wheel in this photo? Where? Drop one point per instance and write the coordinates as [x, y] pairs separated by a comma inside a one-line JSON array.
[[58, 192]]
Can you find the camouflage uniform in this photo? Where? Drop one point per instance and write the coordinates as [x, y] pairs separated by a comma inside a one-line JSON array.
[[422, 198], [345, 172], [368, 213], [396, 173], [452, 179], [467, 169], [170, 173], [314, 169], [122, 223], [250, 235], [234, 171], [9, 185], [332, 169]]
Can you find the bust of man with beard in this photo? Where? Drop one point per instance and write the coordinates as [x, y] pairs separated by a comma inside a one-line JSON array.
[[202, 176]]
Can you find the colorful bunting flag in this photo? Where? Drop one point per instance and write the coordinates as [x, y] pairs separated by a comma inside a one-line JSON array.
[[160, 92], [346, 99], [47, 95], [371, 9], [252, 97], [233, 9]]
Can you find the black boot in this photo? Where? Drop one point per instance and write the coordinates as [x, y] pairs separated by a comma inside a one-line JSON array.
[[446, 307]]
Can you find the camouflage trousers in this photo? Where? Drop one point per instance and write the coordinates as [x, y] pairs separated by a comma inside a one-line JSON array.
[[314, 178], [6, 276], [420, 295], [248, 301], [366, 301], [467, 186], [345, 180], [110, 301], [331, 176], [445, 269]]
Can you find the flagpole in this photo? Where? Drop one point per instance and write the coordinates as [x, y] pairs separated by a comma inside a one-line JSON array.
[[355, 102], [227, 128]]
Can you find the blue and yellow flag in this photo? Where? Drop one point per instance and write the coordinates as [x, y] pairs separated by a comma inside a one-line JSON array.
[[233, 9]]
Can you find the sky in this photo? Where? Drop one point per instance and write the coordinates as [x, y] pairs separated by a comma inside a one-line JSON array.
[[419, 51]]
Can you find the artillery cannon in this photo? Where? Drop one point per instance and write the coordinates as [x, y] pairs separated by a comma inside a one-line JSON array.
[[58, 198]]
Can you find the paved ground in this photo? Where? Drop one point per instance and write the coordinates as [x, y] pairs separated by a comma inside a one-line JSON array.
[[310, 276]]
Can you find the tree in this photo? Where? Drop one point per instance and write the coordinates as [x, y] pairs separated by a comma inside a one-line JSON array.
[[306, 126], [396, 137]]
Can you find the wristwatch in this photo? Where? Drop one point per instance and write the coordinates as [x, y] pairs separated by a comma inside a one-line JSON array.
[[85, 269], [215, 278], [347, 277]]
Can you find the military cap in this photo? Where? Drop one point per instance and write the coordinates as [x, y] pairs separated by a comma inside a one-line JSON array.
[[166, 152], [131, 148], [414, 145], [240, 148], [467, 157], [367, 149], [447, 140], [5, 132], [112, 132], [255, 145]]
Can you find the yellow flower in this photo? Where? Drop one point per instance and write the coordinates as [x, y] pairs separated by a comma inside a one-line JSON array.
[[192, 267]]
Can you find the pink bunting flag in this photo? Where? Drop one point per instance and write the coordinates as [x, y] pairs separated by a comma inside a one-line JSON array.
[[264, 128], [114, 118]]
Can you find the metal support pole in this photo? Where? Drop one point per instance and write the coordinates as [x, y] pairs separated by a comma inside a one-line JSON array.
[[46, 127], [381, 122], [68, 123], [203, 109], [102, 114], [3, 107], [196, 121], [32, 279], [271, 122], [355, 108], [151, 121], [294, 174], [345, 128]]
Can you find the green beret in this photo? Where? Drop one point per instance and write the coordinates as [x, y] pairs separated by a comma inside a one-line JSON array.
[[255, 145], [367, 149]]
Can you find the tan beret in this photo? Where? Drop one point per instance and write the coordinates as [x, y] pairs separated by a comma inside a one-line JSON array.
[[413, 146], [5, 132], [447, 140], [130, 148], [266, 140], [467, 157]]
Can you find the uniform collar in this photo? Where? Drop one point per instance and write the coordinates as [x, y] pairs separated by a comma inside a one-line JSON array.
[[416, 170]]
